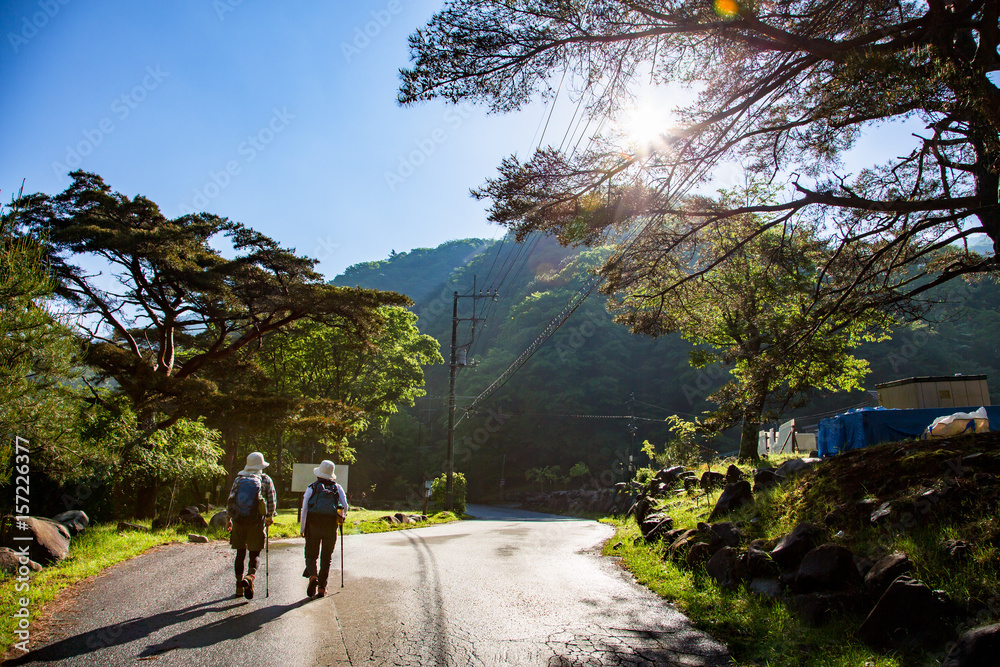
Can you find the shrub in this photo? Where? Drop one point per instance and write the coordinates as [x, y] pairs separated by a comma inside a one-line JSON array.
[[439, 490]]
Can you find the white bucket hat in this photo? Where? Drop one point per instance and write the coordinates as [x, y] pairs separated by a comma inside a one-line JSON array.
[[255, 462], [325, 471]]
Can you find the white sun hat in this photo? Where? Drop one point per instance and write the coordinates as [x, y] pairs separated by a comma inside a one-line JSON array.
[[255, 463], [325, 471]]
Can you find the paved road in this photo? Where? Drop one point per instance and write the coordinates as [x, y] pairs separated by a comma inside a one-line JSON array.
[[511, 588]]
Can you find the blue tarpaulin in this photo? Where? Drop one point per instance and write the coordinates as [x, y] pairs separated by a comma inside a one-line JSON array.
[[870, 426]]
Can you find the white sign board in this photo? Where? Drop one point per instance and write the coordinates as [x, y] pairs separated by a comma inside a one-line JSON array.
[[303, 476]]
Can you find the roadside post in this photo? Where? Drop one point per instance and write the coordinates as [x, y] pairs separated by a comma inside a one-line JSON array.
[[427, 495]]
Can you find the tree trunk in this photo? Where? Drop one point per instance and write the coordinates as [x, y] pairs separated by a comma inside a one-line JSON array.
[[277, 475], [145, 500], [748, 439]]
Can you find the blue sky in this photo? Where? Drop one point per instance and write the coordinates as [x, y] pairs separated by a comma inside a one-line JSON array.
[[278, 115]]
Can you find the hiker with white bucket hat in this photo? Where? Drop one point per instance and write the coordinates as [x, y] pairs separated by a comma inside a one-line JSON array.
[[324, 508], [250, 510]]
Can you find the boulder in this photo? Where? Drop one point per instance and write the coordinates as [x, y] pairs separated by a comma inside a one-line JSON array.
[[885, 570], [792, 548], [194, 520], [829, 567], [656, 526], [712, 480], [641, 508], [50, 540], [683, 542], [724, 567], [125, 525], [191, 510], [198, 539], [10, 562], [75, 521], [218, 520], [700, 552], [957, 549], [793, 467], [669, 475], [659, 489], [815, 609], [161, 522], [758, 563], [727, 532], [976, 648], [402, 518], [864, 565], [733, 474], [389, 519], [768, 588], [735, 496], [907, 612], [765, 479], [882, 513]]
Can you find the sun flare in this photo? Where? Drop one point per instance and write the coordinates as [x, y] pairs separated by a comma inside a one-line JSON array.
[[647, 124]]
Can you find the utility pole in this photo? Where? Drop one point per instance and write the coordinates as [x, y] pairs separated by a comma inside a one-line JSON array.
[[454, 365], [449, 502], [632, 428]]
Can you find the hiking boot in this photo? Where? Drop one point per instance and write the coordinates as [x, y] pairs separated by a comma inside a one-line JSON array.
[[248, 587], [239, 588], [311, 589], [321, 592]]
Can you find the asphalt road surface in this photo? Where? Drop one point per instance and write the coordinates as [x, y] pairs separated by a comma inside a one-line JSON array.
[[510, 588]]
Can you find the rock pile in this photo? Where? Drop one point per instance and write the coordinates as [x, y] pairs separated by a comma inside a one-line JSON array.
[[813, 573]]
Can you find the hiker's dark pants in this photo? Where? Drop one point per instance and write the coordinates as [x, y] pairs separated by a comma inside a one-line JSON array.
[[240, 555], [321, 538]]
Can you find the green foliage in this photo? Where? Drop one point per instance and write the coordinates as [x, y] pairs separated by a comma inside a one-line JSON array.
[[758, 631], [179, 308], [171, 462], [37, 354], [545, 475], [784, 90], [592, 364], [578, 470], [439, 492], [753, 306], [683, 448], [371, 375]]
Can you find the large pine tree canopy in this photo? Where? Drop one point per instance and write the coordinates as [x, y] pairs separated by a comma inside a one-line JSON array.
[[784, 89], [168, 307]]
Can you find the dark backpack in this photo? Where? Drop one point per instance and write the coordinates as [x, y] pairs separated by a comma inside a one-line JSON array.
[[325, 499], [248, 496]]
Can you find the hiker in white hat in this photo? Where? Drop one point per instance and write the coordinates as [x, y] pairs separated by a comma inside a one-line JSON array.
[[251, 508], [324, 508]]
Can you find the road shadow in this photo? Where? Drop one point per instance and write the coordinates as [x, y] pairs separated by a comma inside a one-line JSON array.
[[230, 627], [121, 633]]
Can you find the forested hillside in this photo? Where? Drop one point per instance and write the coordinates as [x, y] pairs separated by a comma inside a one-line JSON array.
[[594, 392]]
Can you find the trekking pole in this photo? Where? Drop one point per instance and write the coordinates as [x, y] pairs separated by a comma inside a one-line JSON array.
[[341, 555], [267, 561]]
